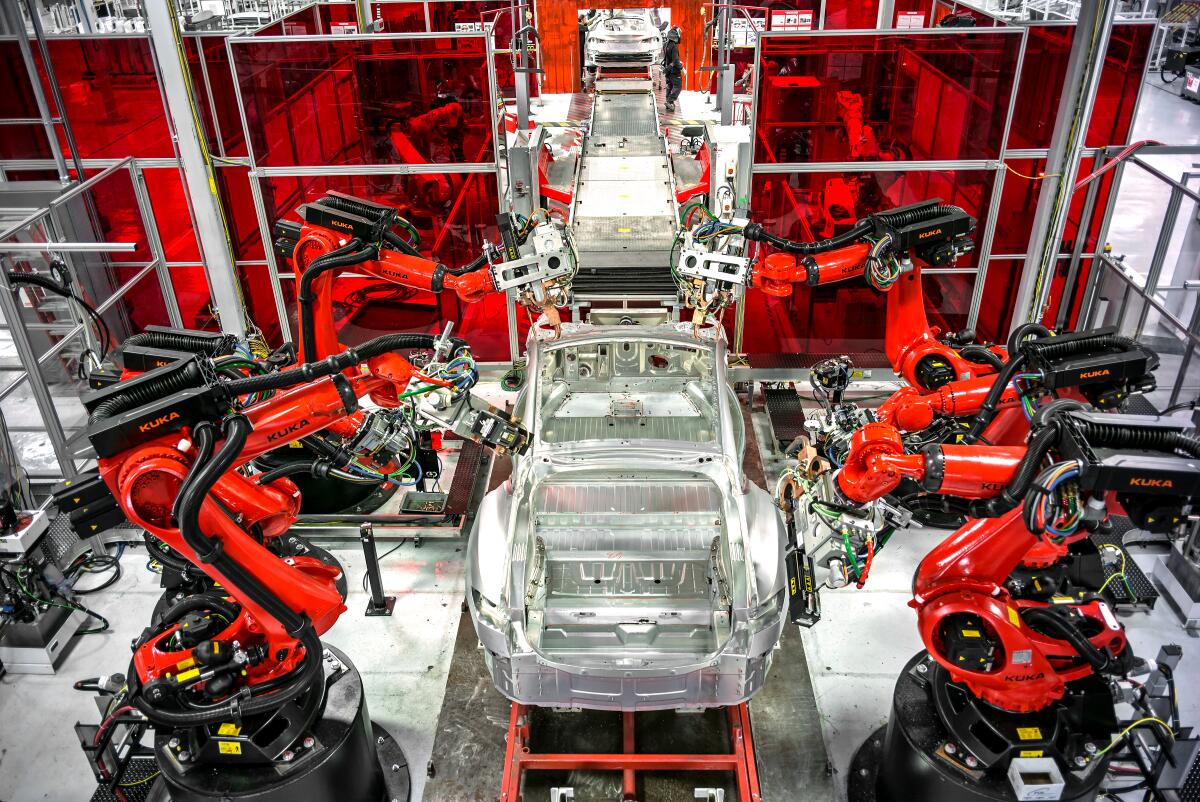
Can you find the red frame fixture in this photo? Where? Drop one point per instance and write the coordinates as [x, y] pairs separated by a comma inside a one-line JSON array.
[[740, 760]]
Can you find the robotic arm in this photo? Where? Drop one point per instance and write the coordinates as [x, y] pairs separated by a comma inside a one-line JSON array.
[[535, 263], [173, 444]]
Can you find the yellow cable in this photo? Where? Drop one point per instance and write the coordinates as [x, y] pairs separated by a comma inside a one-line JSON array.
[[1041, 177], [141, 781], [1139, 722]]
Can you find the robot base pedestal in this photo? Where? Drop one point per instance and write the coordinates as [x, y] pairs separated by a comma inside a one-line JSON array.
[[353, 760], [899, 761]]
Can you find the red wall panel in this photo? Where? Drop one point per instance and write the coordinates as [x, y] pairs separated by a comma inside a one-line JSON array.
[[111, 93], [810, 84]]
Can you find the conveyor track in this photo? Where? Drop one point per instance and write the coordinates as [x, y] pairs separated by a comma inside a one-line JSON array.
[[624, 213]]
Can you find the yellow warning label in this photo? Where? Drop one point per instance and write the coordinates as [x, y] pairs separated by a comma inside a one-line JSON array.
[[229, 747], [624, 230], [1032, 753], [1061, 599], [185, 664], [971, 633], [229, 728], [1014, 616], [1029, 733], [188, 675]]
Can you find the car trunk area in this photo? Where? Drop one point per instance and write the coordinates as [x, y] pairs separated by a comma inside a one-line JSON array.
[[629, 572]]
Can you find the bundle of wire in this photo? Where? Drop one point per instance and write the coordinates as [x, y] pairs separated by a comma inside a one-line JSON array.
[[714, 228], [689, 210], [240, 364], [1028, 405], [883, 270], [26, 584], [458, 375], [1052, 506]]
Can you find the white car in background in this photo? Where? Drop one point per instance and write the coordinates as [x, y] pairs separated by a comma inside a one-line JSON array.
[[624, 38]]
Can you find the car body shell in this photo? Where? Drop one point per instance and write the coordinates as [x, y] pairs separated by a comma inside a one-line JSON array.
[[627, 563]]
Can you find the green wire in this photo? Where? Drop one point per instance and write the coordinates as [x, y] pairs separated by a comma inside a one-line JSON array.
[[851, 555], [73, 607], [419, 391]]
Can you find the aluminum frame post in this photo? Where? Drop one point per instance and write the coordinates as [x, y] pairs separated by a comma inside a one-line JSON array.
[[33, 372], [198, 171], [13, 18], [1092, 33], [887, 15]]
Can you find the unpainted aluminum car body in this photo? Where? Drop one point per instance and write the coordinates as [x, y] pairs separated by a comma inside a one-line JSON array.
[[628, 564], [624, 38]]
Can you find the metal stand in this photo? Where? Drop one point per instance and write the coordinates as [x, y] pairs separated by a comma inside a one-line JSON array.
[[378, 604], [739, 760]]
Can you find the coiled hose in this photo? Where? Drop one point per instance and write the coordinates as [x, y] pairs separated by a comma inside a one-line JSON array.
[[1057, 626], [187, 343], [317, 467], [144, 392], [982, 355], [332, 364], [352, 253], [893, 219], [195, 489], [1108, 435], [1022, 332], [192, 376]]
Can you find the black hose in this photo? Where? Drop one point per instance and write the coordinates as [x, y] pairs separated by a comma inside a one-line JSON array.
[[309, 674], [144, 392], [982, 355], [1039, 447], [1021, 332], [1058, 626], [336, 363], [1125, 436], [287, 469], [470, 267], [168, 558], [399, 243], [187, 343], [195, 604], [352, 253], [103, 332], [898, 218], [756, 233], [192, 376], [987, 410], [354, 206]]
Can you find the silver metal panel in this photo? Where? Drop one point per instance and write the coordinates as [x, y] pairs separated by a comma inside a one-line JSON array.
[[624, 168]]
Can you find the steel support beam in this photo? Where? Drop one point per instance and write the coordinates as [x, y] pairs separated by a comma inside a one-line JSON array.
[[215, 248], [1062, 161], [16, 24]]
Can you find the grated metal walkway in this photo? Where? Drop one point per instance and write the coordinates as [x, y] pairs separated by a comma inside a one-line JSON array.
[[624, 213]]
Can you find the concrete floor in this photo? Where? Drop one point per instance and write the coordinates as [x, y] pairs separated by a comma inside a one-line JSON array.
[[403, 659]]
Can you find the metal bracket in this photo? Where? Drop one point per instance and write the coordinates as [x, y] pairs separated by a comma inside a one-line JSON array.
[[378, 604], [710, 794], [564, 794], [701, 264]]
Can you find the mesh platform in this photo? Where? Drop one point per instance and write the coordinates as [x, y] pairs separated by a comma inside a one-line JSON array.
[[471, 458], [1138, 405], [785, 414], [1144, 593], [135, 785]]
